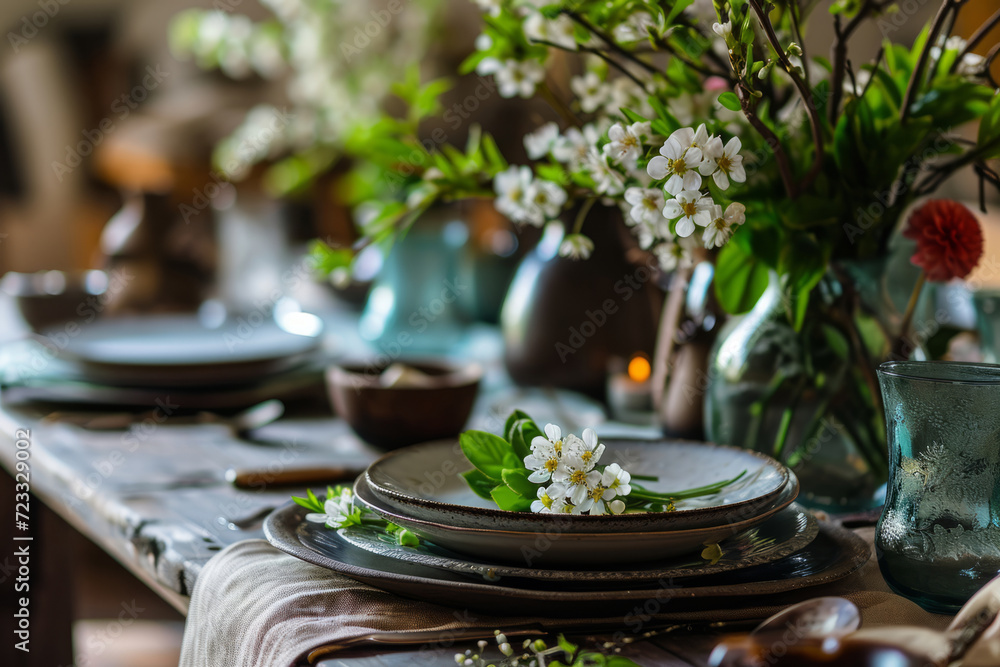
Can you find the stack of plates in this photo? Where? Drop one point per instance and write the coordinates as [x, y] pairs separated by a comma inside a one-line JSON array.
[[751, 539], [138, 361]]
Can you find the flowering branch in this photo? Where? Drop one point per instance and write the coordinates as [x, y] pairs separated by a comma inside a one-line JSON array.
[[749, 103], [804, 92], [610, 41]]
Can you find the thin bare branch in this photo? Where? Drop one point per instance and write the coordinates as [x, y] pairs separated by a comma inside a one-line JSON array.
[[918, 72], [977, 37]]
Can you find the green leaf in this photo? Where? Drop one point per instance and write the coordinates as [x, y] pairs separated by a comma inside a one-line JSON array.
[[406, 538], [729, 100], [567, 646], [509, 500], [836, 341], [740, 279], [489, 453], [632, 116], [518, 444], [480, 484], [517, 480], [508, 427], [308, 504], [989, 127]]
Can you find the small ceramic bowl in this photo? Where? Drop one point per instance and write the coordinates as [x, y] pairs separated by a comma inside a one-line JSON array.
[[433, 403], [49, 298]]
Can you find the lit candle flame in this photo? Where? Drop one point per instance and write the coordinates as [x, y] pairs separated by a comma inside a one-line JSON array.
[[639, 369]]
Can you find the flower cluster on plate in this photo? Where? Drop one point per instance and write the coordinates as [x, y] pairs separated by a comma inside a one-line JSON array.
[[530, 470]]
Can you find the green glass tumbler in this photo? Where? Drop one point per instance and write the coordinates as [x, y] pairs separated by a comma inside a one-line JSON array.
[[938, 540]]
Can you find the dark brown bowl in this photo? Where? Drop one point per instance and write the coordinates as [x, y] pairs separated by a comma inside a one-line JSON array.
[[393, 417]]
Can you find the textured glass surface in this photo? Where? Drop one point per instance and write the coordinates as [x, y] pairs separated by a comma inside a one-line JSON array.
[[809, 397], [938, 540]]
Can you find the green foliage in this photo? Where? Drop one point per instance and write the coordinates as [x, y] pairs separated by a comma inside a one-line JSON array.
[[740, 279]]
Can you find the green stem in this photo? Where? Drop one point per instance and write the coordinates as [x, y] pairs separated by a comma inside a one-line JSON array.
[[581, 215], [899, 348], [758, 408]]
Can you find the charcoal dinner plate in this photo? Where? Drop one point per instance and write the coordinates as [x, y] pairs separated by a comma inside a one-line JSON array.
[[424, 482], [834, 554], [783, 534], [554, 547]]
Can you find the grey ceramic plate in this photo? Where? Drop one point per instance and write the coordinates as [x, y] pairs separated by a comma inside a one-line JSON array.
[[781, 535], [834, 554], [553, 547], [178, 351], [424, 482]]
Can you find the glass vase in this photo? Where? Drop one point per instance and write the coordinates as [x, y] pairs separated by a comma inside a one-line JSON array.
[[938, 539], [809, 397]]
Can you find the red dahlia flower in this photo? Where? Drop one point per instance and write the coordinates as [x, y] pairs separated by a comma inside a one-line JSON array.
[[949, 239]]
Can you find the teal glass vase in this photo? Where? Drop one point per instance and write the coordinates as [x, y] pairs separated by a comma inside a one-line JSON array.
[[938, 539]]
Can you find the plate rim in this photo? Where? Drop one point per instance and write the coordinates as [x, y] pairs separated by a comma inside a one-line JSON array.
[[285, 538], [597, 521], [609, 534], [622, 574]]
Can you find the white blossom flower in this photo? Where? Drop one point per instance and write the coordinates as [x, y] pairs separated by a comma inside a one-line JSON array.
[[587, 447], [559, 31], [625, 146], [635, 28], [674, 254], [544, 200], [721, 229], [723, 30], [576, 246], [690, 138], [589, 90], [607, 181], [574, 146], [540, 142], [647, 205], [678, 164], [617, 481], [692, 208], [723, 164], [579, 477], [336, 510], [623, 92], [492, 7], [512, 187], [515, 78], [484, 42], [551, 499]]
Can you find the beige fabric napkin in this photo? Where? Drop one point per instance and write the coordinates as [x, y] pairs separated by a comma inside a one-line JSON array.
[[254, 606]]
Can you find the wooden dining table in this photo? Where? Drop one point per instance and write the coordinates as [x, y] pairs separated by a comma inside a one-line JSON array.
[[152, 493]]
